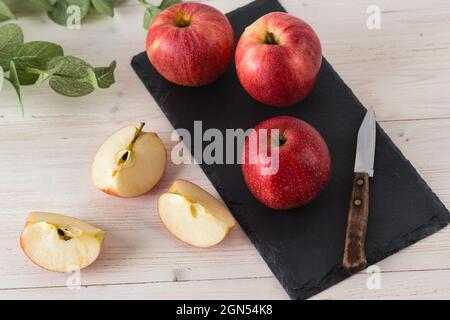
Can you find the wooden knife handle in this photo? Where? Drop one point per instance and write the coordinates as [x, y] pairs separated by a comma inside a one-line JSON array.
[[354, 250]]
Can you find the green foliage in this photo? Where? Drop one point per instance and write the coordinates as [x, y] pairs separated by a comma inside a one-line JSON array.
[[5, 13], [73, 77], [43, 4], [60, 13], [11, 37], [152, 11], [14, 80], [2, 74], [104, 6], [57, 9], [105, 75], [35, 55], [37, 61]]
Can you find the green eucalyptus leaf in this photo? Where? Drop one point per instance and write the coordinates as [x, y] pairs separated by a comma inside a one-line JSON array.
[[72, 87], [105, 75], [2, 75], [167, 3], [73, 77], [150, 15], [43, 4], [60, 14], [146, 4], [152, 11], [11, 37], [69, 66], [35, 76], [14, 80], [44, 74], [5, 12], [104, 6], [92, 78], [25, 78], [35, 54]]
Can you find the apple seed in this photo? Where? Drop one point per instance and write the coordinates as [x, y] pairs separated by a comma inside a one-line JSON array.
[[63, 235]]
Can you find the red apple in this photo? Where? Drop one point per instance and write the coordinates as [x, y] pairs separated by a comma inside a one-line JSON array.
[[304, 163], [190, 44], [278, 58]]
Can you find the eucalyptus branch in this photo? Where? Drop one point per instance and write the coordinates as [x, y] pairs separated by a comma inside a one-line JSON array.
[[57, 10], [34, 62]]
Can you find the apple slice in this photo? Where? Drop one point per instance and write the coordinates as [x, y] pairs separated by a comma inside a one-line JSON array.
[[60, 243], [193, 215], [129, 163]]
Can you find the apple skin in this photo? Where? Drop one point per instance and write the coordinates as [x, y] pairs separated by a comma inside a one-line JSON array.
[[192, 55], [304, 165], [280, 74]]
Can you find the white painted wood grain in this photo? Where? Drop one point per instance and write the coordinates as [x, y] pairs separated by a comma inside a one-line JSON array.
[[402, 70], [434, 284], [261, 288]]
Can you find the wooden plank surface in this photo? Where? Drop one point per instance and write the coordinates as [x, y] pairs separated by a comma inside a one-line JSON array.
[[402, 70]]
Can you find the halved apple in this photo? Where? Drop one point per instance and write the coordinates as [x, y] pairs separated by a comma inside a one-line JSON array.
[[193, 215], [129, 163], [60, 243]]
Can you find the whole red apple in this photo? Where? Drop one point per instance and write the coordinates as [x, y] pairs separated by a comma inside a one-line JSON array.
[[190, 44], [303, 168], [278, 58]]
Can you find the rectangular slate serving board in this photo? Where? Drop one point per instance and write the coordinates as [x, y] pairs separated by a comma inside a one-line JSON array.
[[303, 247]]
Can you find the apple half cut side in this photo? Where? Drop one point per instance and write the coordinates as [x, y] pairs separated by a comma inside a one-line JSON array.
[[193, 215], [60, 243], [129, 163]]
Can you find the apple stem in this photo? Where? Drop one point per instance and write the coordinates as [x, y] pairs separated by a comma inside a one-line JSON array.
[[125, 156], [282, 140], [138, 132], [182, 22], [270, 38]]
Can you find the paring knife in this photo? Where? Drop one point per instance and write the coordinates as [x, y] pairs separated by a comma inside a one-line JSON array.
[[354, 250]]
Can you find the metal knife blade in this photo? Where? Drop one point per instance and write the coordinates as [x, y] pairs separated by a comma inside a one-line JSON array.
[[354, 259], [365, 147]]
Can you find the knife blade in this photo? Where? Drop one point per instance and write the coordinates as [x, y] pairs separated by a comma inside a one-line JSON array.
[[354, 250]]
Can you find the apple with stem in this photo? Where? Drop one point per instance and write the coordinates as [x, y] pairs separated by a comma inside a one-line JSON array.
[[190, 44], [278, 58], [304, 163], [60, 243], [193, 215], [129, 163]]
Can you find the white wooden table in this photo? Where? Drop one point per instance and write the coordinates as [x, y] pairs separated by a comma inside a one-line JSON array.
[[402, 70]]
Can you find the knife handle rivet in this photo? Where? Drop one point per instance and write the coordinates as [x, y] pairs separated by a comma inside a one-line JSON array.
[[360, 182], [357, 202]]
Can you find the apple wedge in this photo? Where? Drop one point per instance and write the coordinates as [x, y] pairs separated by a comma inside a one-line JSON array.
[[129, 163], [193, 215], [60, 243]]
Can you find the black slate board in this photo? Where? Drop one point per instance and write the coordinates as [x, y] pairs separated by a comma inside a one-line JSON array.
[[304, 247]]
